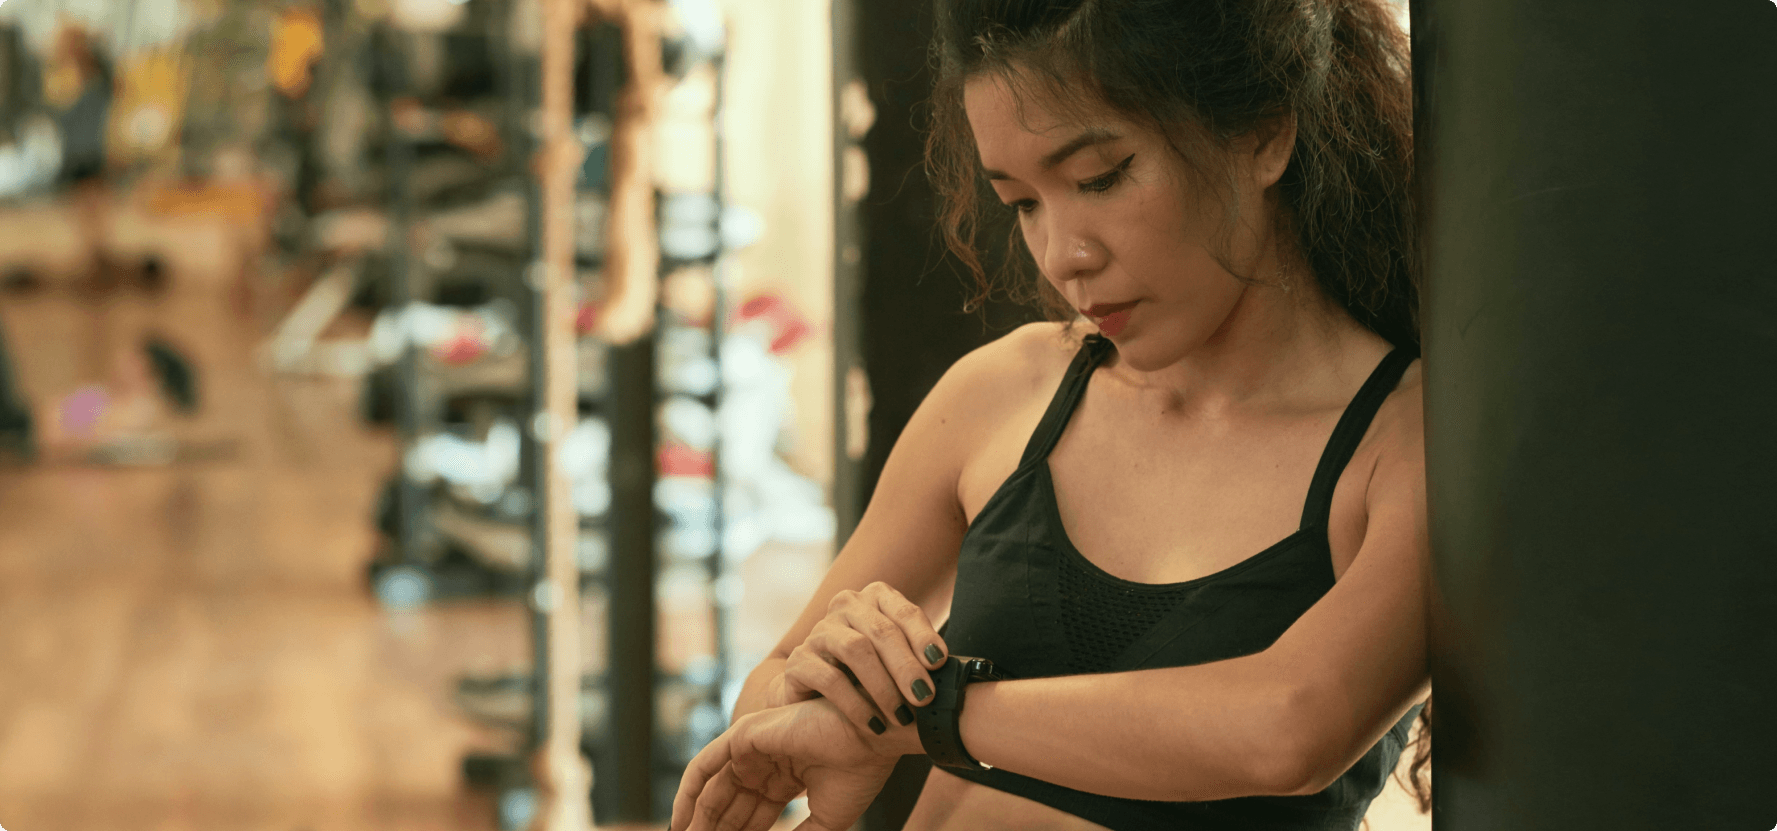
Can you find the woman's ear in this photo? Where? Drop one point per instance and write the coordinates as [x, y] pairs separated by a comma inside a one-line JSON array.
[[1267, 148]]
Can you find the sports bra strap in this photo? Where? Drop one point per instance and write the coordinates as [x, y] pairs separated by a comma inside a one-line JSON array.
[[1350, 432], [1067, 396]]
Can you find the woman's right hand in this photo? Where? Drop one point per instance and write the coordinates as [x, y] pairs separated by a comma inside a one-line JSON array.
[[880, 639]]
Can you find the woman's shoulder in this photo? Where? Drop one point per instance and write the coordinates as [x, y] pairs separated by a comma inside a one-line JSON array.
[[1403, 411], [1006, 371], [992, 385], [1398, 431], [1031, 345], [964, 419], [994, 398]]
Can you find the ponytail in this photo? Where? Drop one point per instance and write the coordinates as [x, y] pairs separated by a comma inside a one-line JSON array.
[[1349, 182]]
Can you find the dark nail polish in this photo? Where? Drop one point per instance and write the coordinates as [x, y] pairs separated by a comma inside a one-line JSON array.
[[903, 715], [933, 654], [877, 725], [921, 691]]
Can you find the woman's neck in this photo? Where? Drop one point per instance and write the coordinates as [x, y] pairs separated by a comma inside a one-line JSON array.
[[1275, 349]]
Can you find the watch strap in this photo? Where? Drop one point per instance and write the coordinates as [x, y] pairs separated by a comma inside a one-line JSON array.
[[940, 728]]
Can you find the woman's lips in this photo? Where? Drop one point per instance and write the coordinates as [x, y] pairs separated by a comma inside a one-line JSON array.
[[1113, 323], [1111, 317]]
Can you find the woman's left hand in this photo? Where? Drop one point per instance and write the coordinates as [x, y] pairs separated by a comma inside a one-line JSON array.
[[744, 778]]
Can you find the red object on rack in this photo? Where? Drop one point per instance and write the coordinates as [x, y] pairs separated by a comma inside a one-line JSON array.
[[460, 348], [791, 328], [679, 460], [586, 318]]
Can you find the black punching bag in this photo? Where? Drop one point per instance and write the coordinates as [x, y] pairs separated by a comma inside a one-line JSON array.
[[1600, 186]]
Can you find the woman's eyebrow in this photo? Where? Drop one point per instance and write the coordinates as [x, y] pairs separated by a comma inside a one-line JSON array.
[[1090, 137]]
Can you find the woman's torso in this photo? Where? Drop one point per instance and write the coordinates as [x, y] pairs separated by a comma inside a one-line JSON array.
[[1120, 472]]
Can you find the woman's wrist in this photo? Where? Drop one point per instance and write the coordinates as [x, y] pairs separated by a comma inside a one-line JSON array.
[[981, 695], [764, 691], [904, 741], [975, 714], [763, 688]]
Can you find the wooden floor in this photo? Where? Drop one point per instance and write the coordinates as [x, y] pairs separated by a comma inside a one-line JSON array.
[[192, 647]]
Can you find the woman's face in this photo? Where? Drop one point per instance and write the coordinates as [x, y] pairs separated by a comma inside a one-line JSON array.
[[1113, 224]]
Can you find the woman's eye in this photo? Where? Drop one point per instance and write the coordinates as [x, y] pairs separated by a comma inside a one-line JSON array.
[[1103, 183], [1025, 206]]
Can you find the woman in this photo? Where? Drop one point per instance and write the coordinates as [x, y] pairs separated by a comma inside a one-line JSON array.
[[1221, 186]]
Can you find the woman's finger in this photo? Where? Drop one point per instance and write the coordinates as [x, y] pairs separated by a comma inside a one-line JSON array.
[[927, 644], [807, 669], [727, 804], [894, 644], [765, 815], [707, 808], [702, 767], [811, 825], [800, 687], [859, 655], [732, 804], [716, 806]]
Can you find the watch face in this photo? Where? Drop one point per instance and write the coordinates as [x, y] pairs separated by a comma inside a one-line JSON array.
[[981, 669]]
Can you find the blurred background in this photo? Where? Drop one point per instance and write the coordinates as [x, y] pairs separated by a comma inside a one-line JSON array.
[[270, 386]]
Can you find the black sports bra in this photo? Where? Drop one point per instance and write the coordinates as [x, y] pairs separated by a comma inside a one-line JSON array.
[[1028, 600]]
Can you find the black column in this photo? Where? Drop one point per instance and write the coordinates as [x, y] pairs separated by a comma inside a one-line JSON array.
[[849, 487], [630, 585], [1601, 347], [911, 324], [914, 326]]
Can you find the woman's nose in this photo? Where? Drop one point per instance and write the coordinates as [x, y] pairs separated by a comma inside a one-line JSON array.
[[1071, 254]]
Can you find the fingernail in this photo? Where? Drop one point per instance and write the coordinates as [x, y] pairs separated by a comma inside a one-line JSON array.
[[921, 690], [877, 725], [903, 715], [933, 654]]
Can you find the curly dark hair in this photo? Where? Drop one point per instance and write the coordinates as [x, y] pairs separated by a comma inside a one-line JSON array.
[[1202, 73]]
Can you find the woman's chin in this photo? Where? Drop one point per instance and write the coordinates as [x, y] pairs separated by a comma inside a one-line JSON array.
[[1143, 355]]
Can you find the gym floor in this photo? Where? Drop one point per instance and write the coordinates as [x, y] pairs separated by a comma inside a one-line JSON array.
[[192, 647]]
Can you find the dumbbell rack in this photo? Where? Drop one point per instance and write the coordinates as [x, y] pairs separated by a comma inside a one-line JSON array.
[[437, 548], [637, 764]]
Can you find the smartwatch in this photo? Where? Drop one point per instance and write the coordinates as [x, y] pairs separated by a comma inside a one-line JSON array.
[[940, 732]]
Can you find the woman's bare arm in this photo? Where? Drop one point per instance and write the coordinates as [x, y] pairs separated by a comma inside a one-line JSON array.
[[913, 527]]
